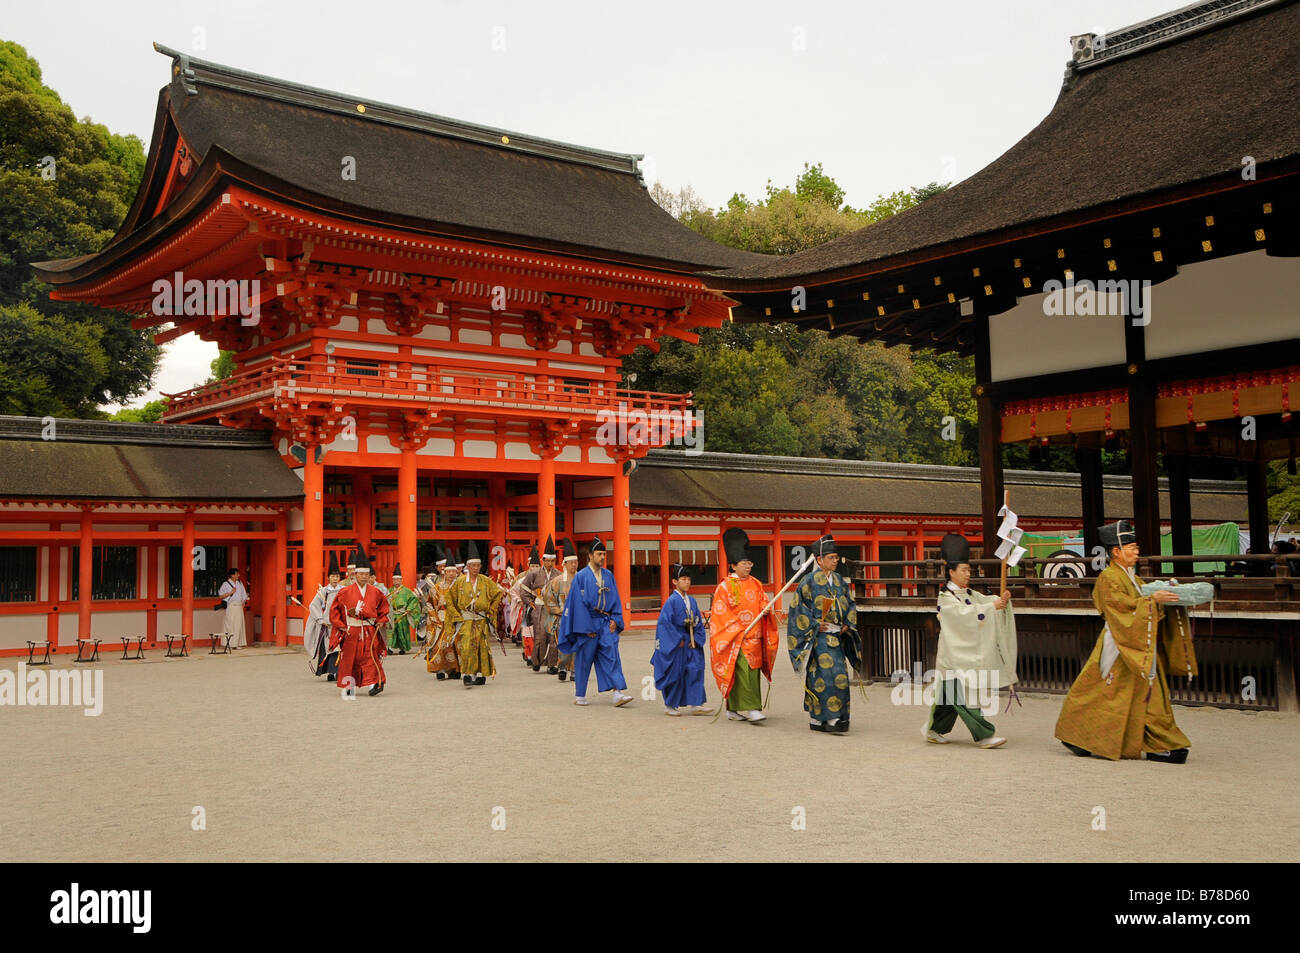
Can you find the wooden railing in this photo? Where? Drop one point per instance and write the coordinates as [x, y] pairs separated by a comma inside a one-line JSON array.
[[391, 382], [1247, 640], [1248, 580]]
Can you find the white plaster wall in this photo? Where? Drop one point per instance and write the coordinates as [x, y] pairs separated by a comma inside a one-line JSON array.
[[1229, 302], [586, 489], [15, 630], [1024, 341], [519, 451], [438, 447], [598, 520], [480, 448]]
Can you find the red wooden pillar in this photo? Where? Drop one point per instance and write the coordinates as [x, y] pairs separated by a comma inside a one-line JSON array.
[[622, 540], [406, 511], [778, 559], [55, 593], [187, 574], [665, 569], [265, 590], [313, 525], [279, 566], [546, 499], [85, 574], [156, 559]]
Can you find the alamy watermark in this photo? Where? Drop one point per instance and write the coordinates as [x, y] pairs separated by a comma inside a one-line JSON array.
[[655, 428], [1131, 298], [54, 687], [177, 296], [974, 688]]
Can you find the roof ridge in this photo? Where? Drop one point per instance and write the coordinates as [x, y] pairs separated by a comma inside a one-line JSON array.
[[1090, 50], [823, 466], [118, 432], [190, 72]]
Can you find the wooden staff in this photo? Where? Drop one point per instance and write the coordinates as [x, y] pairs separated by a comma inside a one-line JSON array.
[[1002, 585]]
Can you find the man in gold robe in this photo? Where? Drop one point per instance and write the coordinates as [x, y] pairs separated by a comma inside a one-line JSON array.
[[472, 605], [441, 657], [1119, 706]]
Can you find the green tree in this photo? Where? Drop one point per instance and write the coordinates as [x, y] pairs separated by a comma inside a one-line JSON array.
[[65, 186], [743, 399], [223, 366], [150, 413]]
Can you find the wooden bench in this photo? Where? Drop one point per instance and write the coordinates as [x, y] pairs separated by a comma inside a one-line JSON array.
[[222, 639], [177, 642], [139, 646], [81, 647], [31, 652]]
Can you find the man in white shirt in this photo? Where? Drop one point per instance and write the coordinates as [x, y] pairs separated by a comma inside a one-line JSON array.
[[235, 596]]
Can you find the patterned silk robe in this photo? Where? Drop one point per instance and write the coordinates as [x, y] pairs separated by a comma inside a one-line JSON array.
[[1119, 706], [736, 602], [820, 656], [441, 655], [472, 618]]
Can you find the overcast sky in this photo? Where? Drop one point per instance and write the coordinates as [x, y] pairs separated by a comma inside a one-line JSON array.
[[720, 96]]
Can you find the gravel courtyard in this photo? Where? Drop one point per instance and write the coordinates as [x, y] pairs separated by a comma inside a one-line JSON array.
[[285, 770]]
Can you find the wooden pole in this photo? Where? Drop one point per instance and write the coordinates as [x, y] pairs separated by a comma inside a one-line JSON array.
[[1002, 586]]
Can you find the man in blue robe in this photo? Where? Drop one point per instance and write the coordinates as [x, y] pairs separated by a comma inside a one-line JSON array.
[[678, 658], [590, 626]]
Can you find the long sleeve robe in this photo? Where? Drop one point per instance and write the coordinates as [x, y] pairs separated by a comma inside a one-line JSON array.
[[405, 607], [736, 602], [678, 658], [553, 598], [472, 617], [361, 647], [317, 626], [975, 637], [1119, 705], [824, 659], [591, 603], [442, 654]]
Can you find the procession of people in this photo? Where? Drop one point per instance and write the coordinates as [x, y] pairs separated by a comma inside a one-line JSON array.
[[570, 622]]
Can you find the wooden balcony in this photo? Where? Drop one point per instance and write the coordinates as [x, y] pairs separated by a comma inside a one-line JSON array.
[[303, 384]]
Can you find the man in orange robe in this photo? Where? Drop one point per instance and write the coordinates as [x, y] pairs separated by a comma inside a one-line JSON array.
[[356, 616], [736, 659]]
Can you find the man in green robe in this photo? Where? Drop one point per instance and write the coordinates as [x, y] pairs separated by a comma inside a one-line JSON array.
[[404, 613], [822, 636], [1119, 706]]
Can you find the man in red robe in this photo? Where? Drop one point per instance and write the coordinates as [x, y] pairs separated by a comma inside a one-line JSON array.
[[356, 616]]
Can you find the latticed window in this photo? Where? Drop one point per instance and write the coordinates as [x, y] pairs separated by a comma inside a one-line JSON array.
[[463, 520], [361, 368], [17, 573], [206, 580], [523, 521], [114, 572]]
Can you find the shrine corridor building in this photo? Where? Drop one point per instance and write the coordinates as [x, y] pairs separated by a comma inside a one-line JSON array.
[[428, 319]]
